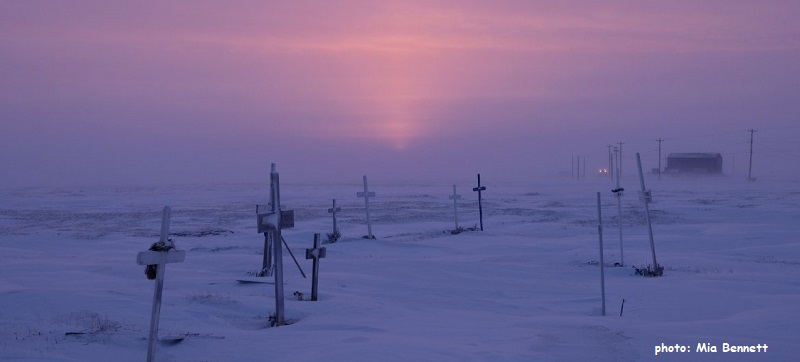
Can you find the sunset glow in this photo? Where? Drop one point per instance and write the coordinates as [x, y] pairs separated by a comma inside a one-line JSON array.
[[396, 80]]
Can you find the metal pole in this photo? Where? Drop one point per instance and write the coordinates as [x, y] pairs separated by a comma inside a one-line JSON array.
[[480, 204], [750, 169], [335, 227], [455, 205], [619, 219], [602, 262], [293, 258], [646, 200], [659, 157], [619, 163], [366, 202]]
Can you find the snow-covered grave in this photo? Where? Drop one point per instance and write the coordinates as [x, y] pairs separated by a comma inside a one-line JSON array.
[[525, 289]]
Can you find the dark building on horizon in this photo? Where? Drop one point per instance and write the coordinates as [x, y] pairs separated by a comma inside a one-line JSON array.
[[698, 163]]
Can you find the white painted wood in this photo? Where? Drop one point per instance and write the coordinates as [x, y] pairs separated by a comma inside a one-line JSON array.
[[160, 257]]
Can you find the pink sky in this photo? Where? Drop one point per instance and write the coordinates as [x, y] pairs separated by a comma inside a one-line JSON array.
[[97, 92]]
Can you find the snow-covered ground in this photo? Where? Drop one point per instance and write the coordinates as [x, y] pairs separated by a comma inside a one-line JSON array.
[[525, 289]]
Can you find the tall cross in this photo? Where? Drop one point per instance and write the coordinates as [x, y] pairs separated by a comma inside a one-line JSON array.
[[315, 253], [455, 198], [333, 210], [366, 194], [160, 254], [480, 206], [270, 224]]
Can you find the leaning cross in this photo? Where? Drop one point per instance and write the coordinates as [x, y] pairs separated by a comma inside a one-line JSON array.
[[366, 194], [333, 210], [168, 254], [455, 198], [315, 253], [480, 206]]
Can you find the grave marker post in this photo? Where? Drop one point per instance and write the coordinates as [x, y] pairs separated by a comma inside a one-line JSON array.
[[315, 253], [273, 222], [455, 198], [479, 189], [333, 210], [366, 194], [160, 260]]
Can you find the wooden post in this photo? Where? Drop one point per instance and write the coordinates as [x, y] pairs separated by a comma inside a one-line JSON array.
[[455, 198], [315, 253], [602, 262], [479, 189], [366, 194], [267, 267], [280, 316], [272, 223]]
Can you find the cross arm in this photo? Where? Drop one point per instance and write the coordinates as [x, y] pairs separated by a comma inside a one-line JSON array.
[[160, 257]]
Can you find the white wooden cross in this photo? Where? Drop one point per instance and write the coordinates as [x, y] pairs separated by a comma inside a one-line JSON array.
[[271, 223], [160, 259], [333, 210], [265, 222], [366, 194], [455, 198]]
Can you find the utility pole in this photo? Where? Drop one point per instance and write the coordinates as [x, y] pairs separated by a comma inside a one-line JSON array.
[[620, 161], [610, 165], [750, 169], [659, 157]]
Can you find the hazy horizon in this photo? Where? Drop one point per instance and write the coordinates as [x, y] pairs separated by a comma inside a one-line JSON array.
[[121, 93]]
